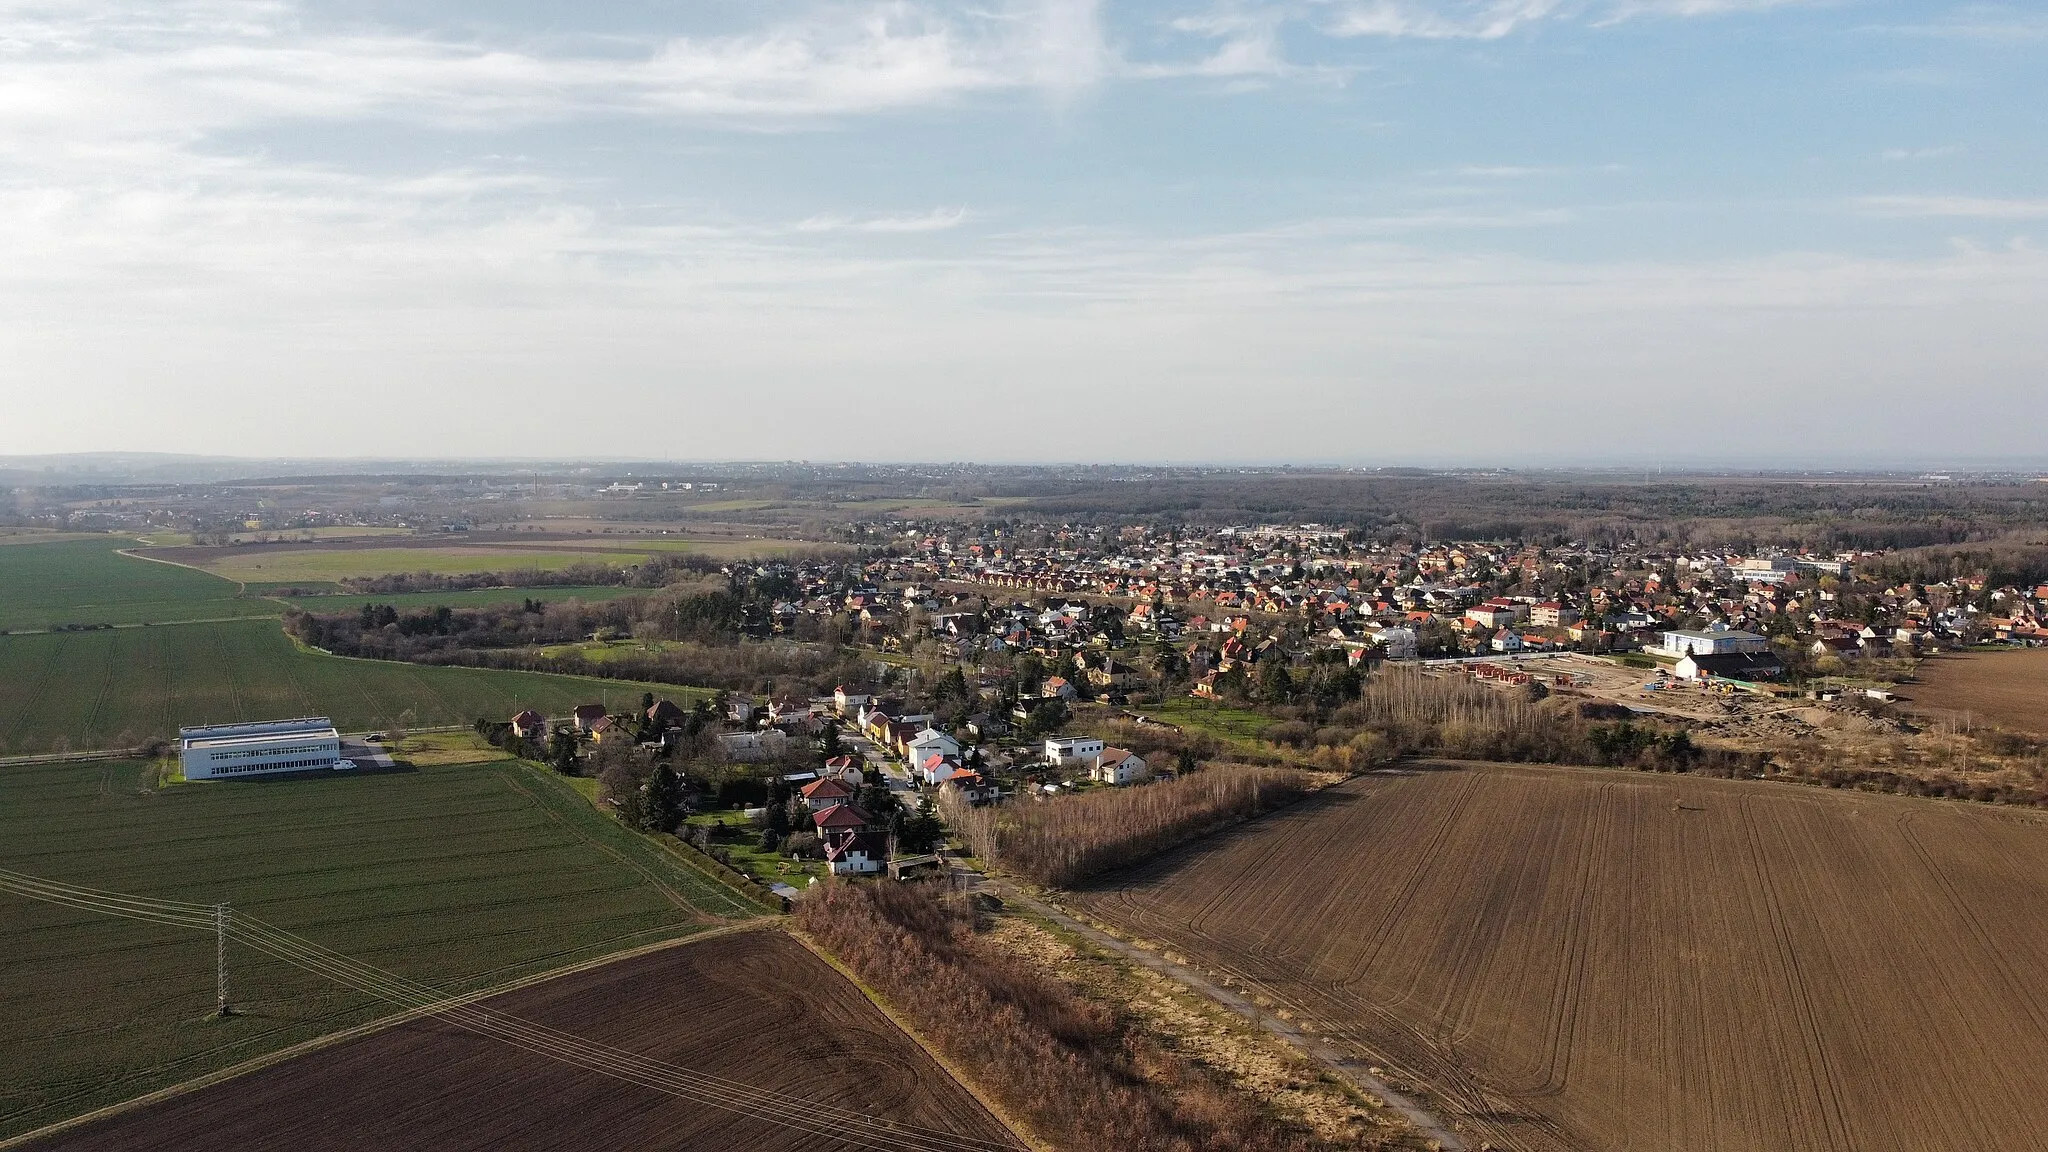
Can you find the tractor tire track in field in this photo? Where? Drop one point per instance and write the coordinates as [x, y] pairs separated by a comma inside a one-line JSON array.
[[653, 879], [1820, 1066], [46, 673], [99, 700]]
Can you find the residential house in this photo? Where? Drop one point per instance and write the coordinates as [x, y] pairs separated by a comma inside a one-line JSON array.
[[1061, 751], [530, 725], [931, 742], [973, 787], [746, 746], [586, 716], [826, 792], [1117, 766], [857, 854]]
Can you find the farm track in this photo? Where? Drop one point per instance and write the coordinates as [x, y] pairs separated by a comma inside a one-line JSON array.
[[1577, 959]]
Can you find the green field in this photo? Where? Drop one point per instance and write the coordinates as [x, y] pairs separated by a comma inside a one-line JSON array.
[[115, 688], [88, 582], [473, 598], [293, 565], [462, 877], [315, 564]]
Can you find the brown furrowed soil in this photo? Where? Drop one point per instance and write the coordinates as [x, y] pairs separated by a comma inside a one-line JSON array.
[[754, 1008], [1586, 959], [2009, 689]]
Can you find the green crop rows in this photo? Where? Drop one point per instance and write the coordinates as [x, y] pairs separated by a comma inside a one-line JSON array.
[[118, 687], [88, 582], [461, 877]]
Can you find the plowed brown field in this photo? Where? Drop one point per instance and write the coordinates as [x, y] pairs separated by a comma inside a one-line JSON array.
[[1578, 959], [755, 1008], [2009, 689]]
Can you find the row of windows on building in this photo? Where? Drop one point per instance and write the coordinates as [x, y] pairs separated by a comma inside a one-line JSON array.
[[321, 762], [246, 753]]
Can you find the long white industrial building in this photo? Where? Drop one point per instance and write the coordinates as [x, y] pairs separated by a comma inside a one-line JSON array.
[[222, 751]]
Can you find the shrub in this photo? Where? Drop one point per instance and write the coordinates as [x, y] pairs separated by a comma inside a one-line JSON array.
[[1070, 838], [1071, 1068]]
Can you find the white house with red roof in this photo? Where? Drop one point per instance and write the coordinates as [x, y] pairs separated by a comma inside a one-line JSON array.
[[1118, 766]]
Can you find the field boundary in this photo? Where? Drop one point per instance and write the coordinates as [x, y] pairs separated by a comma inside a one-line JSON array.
[[257, 1064], [610, 680], [241, 586], [882, 1005]]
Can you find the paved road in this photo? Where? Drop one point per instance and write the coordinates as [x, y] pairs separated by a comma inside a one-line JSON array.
[[1353, 1071]]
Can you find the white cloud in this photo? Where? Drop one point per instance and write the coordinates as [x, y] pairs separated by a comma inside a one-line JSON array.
[[227, 307], [1457, 19], [1494, 19], [199, 68], [1898, 155], [936, 220], [1964, 207]]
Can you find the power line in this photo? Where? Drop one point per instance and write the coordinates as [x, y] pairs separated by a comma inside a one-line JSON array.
[[796, 1112]]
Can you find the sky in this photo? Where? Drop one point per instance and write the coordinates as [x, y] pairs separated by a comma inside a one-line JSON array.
[[1357, 232]]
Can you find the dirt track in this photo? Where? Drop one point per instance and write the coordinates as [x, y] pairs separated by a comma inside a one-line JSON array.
[[753, 1007], [1579, 959]]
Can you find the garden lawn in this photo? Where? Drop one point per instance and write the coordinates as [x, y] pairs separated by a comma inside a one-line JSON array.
[[745, 850], [1236, 724]]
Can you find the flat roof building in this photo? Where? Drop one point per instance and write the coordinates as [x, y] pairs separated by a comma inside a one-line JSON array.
[[1719, 642], [226, 751]]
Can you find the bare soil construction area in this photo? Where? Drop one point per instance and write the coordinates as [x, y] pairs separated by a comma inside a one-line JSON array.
[[1586, 959], [746, 1013], [2009, 689]]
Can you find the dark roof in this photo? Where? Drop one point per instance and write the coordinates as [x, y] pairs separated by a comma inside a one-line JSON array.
[[873, 843], [1739, 665]]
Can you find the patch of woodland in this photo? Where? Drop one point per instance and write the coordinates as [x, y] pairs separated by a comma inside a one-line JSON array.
[[703, 623], [1061, 840], [1075, 1071]]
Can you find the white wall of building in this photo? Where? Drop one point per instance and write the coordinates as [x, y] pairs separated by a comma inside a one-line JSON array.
[[231, 751]]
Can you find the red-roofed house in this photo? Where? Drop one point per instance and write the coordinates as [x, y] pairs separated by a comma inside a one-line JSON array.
[[530, 725], [826, 793], [586, 716]]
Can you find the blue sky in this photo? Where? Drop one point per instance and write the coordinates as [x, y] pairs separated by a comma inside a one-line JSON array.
[[1346, 231]]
